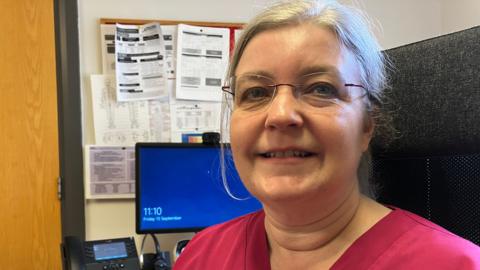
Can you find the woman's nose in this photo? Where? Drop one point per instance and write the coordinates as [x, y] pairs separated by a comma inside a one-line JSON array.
[[284, 110]]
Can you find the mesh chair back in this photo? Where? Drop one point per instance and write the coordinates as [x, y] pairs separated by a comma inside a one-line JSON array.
[[433, 168]]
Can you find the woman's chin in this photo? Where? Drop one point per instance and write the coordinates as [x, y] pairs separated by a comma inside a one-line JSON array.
[[284, 191]]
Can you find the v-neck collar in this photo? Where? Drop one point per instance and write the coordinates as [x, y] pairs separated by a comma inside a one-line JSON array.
[[357, 256], [364, 251]]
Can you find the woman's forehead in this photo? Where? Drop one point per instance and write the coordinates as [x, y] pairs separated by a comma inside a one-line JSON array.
[[296, 51]]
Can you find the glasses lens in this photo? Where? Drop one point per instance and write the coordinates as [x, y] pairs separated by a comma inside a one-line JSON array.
[[322, 89], [253, 92]]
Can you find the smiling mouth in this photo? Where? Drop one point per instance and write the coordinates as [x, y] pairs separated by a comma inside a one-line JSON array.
[[287, 154]]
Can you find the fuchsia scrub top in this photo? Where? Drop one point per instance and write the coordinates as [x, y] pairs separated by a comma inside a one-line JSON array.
[[401, 240]]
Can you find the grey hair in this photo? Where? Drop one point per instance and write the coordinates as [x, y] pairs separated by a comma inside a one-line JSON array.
[[353, 30], [350, 25]]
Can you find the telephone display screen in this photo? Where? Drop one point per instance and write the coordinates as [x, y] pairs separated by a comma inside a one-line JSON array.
[[108, 251], [180, 188]]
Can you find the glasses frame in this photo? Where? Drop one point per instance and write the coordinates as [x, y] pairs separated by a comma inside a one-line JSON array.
[[228, 89]]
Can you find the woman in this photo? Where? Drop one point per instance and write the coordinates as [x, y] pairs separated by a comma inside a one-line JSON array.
[[305, 79]]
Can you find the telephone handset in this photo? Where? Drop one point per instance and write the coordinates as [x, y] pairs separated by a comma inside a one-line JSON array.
[[110, 254]]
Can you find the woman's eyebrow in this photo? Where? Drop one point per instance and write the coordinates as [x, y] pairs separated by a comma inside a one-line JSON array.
[[257, 72], [320, 68], [303, 71]]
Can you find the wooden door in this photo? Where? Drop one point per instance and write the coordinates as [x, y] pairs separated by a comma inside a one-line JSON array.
[[30, 224]]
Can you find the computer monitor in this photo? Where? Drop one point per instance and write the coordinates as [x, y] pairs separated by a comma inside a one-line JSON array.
[[179, 188]]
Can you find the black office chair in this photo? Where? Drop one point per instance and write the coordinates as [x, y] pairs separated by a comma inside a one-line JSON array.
[[433, 167]]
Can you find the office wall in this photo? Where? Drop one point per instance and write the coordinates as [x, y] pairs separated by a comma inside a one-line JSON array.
[[461, 14], [115, 218], [402, 22]]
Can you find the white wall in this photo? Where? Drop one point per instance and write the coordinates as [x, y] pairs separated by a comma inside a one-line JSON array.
[[460, 14], [402, 22]]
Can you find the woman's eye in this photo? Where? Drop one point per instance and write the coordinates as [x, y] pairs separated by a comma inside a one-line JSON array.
[[321, 89], [255, 94]]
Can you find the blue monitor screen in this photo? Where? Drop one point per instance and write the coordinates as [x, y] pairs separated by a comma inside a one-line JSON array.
[[179, 188]]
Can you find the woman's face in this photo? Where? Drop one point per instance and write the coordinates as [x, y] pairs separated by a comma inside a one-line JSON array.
[[289, 150]]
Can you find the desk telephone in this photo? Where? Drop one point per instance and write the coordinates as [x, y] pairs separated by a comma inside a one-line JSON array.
[[111, 254]]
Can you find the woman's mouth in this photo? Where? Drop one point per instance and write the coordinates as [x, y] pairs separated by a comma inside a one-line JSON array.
[[286, 154]]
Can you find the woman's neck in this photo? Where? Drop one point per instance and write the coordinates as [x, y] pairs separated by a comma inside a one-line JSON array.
[[323, 240]]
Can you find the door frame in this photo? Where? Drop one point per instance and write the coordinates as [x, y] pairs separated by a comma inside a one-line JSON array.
[[69, 118]]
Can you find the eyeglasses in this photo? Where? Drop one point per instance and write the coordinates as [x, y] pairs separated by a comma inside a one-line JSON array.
[[253, 92]]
